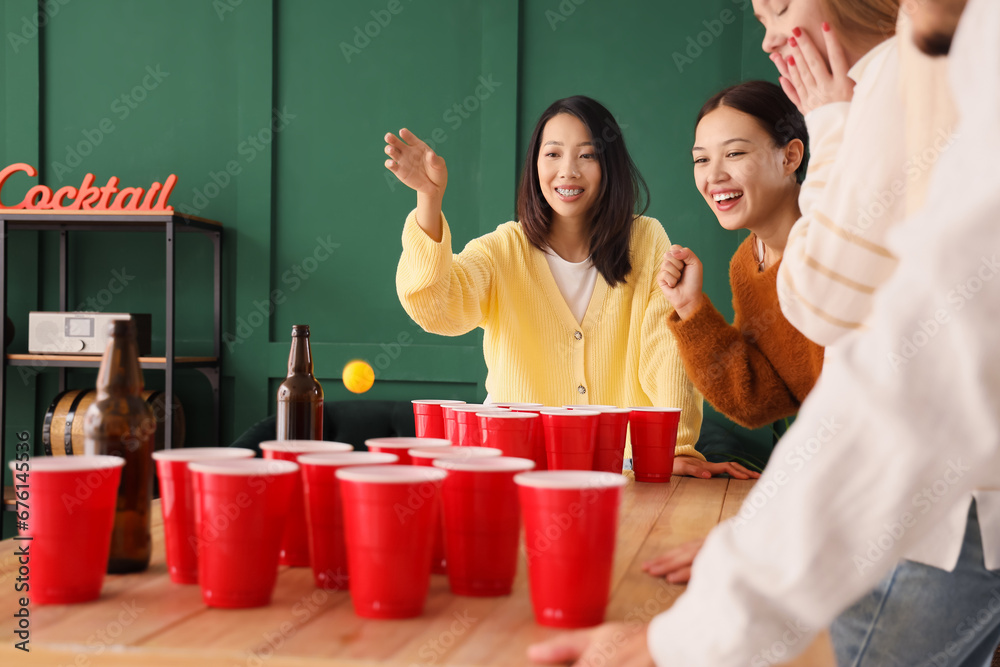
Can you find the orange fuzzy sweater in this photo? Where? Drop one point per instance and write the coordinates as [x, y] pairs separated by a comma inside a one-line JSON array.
[[760, 368]]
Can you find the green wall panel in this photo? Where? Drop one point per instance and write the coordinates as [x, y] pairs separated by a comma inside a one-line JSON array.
[[349, 73], [19, 122], [168, 107], [331, 186], [174, 105]]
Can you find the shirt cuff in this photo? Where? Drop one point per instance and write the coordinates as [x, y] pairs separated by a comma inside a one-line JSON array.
[[689, 450], [823, 119]]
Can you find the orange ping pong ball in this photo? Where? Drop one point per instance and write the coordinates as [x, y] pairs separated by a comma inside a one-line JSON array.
[[358, 376]]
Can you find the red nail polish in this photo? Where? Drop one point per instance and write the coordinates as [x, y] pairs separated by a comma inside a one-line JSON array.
[[826, 27], [791, 61], [797, 32], [792, 42]]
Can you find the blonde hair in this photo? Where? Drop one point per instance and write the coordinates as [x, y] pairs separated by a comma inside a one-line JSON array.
[[862, 24]]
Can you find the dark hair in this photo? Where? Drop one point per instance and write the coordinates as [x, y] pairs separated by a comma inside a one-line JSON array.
[[623, 194], [766, 102]]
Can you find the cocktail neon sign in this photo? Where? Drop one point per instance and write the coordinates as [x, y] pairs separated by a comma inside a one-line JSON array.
[[88, 197]]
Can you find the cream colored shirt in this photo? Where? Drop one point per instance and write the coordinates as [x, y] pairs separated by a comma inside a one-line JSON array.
[[853, 194]]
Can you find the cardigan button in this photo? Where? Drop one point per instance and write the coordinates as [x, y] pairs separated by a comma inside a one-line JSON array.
[[578, 335], [582, 389]]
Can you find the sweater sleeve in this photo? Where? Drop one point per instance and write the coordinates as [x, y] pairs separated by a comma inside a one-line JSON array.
[[445, 294], [836, 257], [732, 373], [661, 369], [826, 133]]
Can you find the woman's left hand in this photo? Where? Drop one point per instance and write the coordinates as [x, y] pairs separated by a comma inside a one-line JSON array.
[[695, 467], [675, 565], [806, 77], [591, 648]]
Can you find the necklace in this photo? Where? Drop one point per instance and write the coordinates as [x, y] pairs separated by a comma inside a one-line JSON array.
[[758, 253]]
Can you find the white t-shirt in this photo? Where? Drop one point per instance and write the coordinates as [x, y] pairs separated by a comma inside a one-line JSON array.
[[575, 282]]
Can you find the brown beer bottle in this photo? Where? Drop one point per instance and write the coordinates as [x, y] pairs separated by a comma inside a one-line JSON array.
[[120, 423], [300, 396]]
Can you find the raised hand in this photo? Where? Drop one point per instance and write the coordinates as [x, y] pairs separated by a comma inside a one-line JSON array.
[[415, 164], [680, 279], [808, 79]]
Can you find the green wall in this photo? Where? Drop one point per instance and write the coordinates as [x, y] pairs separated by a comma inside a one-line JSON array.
[[272, 115]]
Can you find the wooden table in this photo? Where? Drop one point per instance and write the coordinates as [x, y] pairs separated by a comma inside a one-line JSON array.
[[145, 619]]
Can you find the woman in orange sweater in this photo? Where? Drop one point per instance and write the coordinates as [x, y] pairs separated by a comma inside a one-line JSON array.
[[750, 143], [748, 161]]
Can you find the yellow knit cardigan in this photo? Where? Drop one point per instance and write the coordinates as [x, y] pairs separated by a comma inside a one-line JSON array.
[[622, 353]]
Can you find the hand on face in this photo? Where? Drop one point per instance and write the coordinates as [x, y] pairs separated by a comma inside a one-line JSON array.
[[807, 78], [680, 279]]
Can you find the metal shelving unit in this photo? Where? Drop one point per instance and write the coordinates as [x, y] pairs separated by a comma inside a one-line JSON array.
[[131, 221]]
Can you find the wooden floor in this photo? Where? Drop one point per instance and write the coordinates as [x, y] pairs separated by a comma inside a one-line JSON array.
[[145, 619]]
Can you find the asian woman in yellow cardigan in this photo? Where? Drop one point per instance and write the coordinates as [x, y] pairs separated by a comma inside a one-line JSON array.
[[567, 296]]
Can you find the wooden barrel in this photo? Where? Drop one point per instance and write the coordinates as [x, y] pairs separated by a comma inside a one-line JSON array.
[[62, 430]]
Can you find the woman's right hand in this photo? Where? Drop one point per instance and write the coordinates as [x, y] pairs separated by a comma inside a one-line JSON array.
[[675, 565], [810, 80], [416, 164], [680, 279]]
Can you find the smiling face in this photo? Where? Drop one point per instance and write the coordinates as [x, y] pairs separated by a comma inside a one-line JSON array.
[[781, 17], [569, 173], [738, 169]]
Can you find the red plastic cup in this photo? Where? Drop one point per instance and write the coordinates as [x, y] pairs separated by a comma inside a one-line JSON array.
[[426, 457], [324, 512], [177, 504], [295, 541], [570, 438], [451, 421], [427, 417], [482, 521], [469, 433], [538, 437], [570, 528], [513, 406], [511, 432], [239, 508], [654, 438], [612, 432], [72, 512], [401, 446], [389, 514]]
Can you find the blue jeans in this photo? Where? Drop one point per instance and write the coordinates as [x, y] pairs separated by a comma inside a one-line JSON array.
[[921, 616]]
